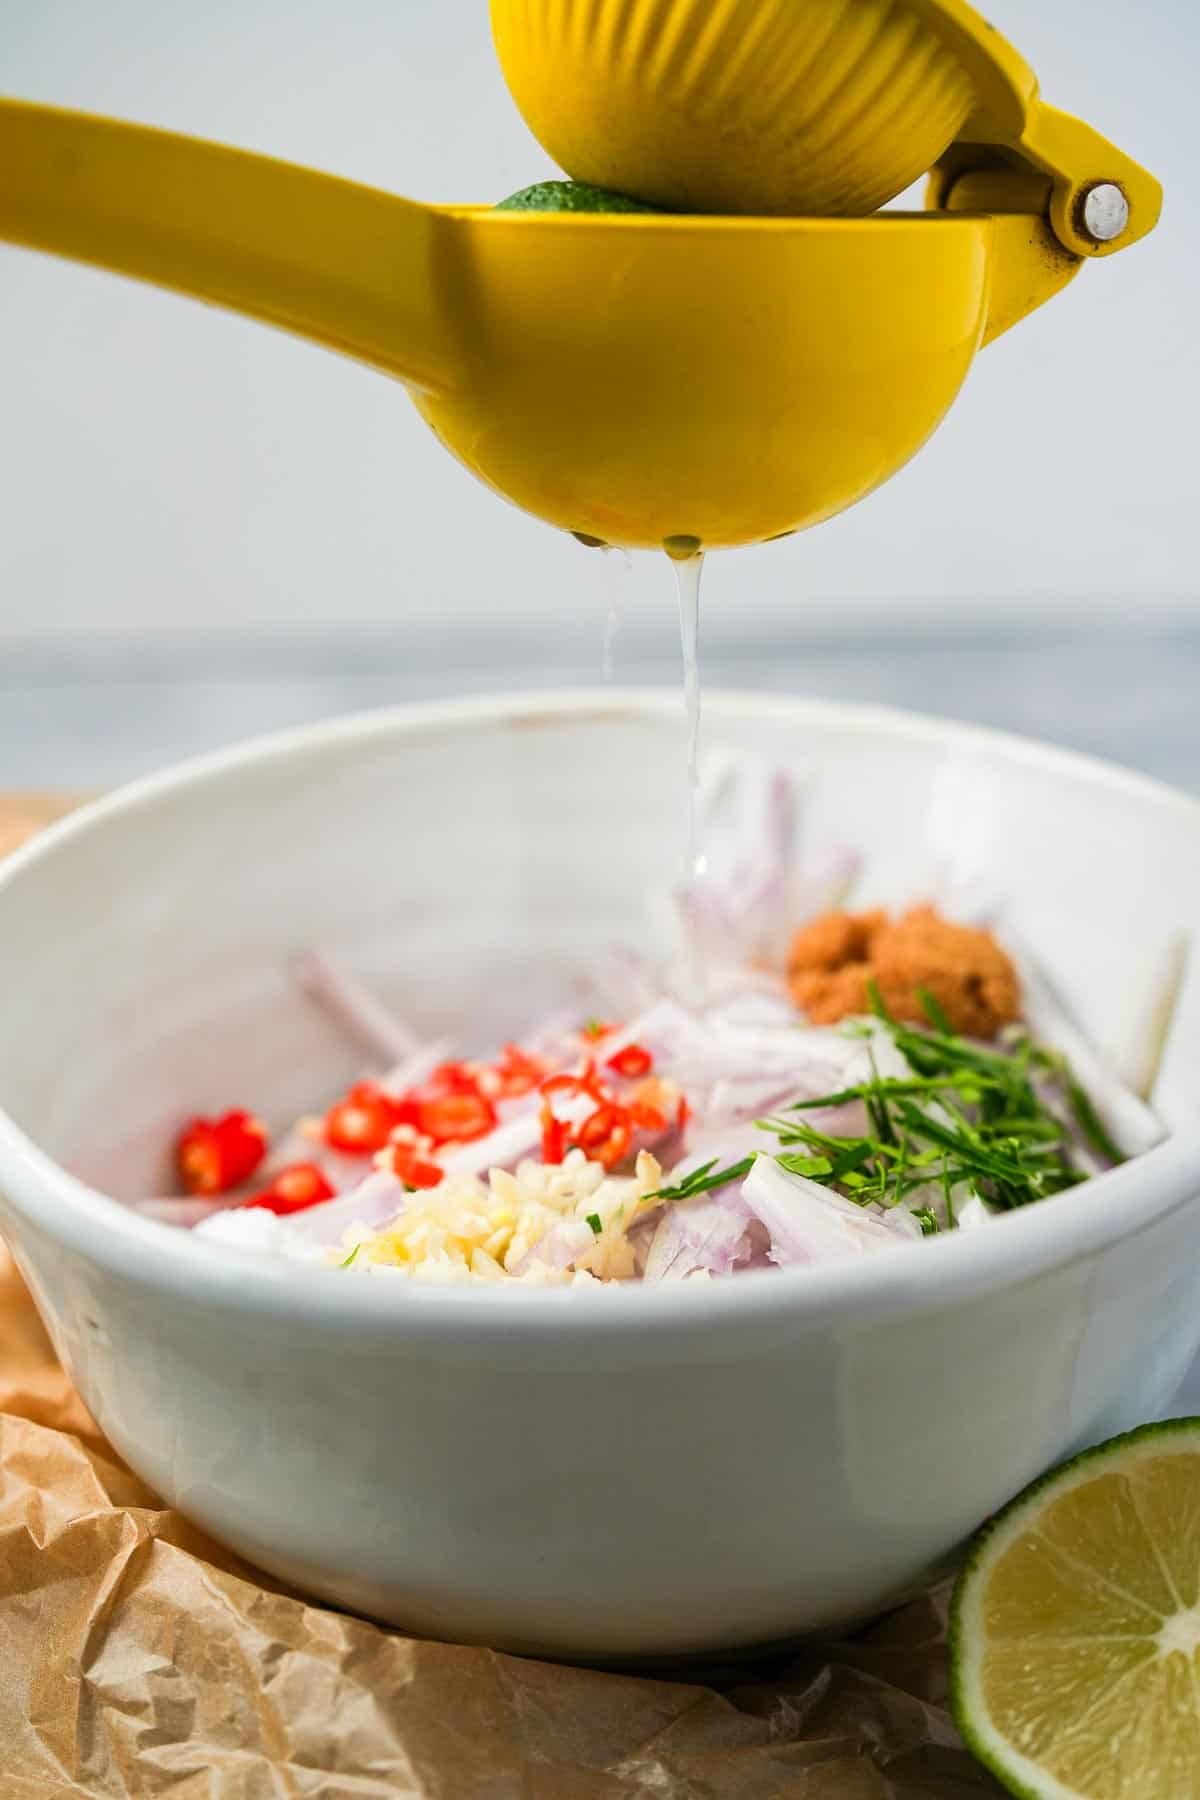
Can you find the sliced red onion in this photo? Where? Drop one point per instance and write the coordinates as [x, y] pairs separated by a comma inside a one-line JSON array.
[[747, 816], [341, 1171], [372, 1204], [1129, 1121], [694, 1048], [621, 982], [752, 894], [1144, 1052], [808, 1223], [756, 1248], [974, 1212], [930, 1196], [554, 1037], [558, 1248], [1119, 1093], [503, 1148], [182, 1210], [732, 1102], [875, 1053], [641, 1236], [817, 1052], [658, 1028], [416, 1067], [766, 1005], [724, 1148], [695, 1234], [826, 882], [722, 984], [732, 1073], [355, 1008]]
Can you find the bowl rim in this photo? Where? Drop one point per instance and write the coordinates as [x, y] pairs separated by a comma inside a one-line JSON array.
[[949, 1271]]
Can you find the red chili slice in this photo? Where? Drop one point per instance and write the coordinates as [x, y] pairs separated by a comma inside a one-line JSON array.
[[214, 1155], [554, 1136], [632, 1062], [295, 1188], [362, 1122], [456, 1117], [585, 1083], [412, 1169], [515, 1073], [646, 1118], [604, 1136], [449, 1078]]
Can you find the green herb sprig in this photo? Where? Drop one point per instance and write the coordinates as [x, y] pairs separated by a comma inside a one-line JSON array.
[[703, 1179], [969, 1117], [992, 1121]]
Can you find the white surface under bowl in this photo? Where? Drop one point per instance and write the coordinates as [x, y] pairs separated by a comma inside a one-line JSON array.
[[634, 1471]]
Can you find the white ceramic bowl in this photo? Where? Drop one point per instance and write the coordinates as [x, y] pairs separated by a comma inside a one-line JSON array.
[[645, 1471]]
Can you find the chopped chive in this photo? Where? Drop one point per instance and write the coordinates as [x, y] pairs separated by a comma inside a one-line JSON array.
[[812, 1166], [875, 1099], [948, 1192], [593, 1220], [851, 1161], [899, 1172], [968, 1117], [933, 1012], [876, 1002], [887, 1084], [702, 1180], [1089, 1123], [345, 1263]]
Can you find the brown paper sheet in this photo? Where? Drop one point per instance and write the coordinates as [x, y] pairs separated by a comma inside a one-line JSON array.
[[137, 1658]]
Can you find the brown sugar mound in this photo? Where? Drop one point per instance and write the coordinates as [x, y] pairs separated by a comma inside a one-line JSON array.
[[833, 958]]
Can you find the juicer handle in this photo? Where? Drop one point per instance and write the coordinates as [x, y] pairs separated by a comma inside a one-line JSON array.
[[348, 266], [1100, 200], [1059, 194]]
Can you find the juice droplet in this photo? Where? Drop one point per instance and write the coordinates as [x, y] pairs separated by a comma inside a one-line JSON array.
[[687, 576]]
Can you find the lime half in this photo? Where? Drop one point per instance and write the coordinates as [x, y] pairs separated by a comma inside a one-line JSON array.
[[1075, 1629], [570, 196]]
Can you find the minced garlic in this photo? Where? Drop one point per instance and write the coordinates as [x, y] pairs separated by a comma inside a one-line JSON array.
[[545, 1224]]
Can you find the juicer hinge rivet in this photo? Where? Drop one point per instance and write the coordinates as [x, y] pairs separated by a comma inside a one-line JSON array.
[[1104, 212]]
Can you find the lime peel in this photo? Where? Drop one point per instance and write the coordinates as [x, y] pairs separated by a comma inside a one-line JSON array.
[[1075, 1626], [571, 196]]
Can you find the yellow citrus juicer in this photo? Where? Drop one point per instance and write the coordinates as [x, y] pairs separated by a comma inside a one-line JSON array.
[[724, 377]]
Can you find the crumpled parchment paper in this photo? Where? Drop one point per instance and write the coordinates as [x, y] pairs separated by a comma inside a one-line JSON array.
[[138, 1658]]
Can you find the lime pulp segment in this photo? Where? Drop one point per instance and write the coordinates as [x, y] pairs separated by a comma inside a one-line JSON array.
[[1075, 1632]]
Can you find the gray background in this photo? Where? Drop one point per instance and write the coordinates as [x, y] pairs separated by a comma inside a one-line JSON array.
[[209, 529]]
